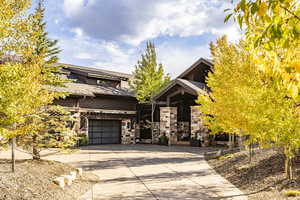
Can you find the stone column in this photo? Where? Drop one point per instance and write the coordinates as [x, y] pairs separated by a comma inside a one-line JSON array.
[[197, 127], [168, 123]]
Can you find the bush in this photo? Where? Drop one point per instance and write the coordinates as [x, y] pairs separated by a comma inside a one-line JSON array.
[[292, 193], [83, 140], [225, 157], [163, 140]]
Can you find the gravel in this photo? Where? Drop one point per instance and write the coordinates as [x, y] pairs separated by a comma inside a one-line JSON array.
[[263, 178], [33, 180]]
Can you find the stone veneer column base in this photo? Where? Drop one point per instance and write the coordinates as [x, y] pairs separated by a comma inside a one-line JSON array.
[[197, 127], [168, 123], [127, 132]]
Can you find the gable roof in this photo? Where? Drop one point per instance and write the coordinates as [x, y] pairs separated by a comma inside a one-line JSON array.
[[95, 72], [193, 86], [82, 89], [196, 64]]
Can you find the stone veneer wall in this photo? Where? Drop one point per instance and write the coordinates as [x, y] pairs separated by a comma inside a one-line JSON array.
[[168, 123], [197, 127], [127, 132], [155, 133]]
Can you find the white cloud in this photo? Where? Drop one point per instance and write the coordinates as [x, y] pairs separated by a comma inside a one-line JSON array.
[[110, 56], [78, 32], [105, 55], [102, 29], [72, 6], [177, 58], [135, 21]]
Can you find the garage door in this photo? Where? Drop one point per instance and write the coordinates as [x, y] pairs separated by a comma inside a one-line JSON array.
[[104, 132]]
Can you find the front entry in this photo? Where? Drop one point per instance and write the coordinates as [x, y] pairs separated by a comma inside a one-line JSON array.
[[104, 132]]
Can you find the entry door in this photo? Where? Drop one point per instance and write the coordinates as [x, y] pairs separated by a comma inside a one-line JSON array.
[[104, 132]]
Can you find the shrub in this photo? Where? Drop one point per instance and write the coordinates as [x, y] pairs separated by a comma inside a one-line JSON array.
[[243, 167], [164, 140], [292, 193], [227, 156], [83, 140]]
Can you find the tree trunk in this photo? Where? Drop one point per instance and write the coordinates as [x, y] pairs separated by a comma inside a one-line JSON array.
[[288, 164], [289, 168], [250, 153], [13, 159], [35, 151]]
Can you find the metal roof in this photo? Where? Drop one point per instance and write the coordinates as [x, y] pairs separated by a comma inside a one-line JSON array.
[[91, 71]]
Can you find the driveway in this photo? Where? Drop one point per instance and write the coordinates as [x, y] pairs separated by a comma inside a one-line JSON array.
[[150, 172]]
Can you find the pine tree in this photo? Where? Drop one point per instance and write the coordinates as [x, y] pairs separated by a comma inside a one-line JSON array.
[[21, 91], [149, 77], [49, 126]]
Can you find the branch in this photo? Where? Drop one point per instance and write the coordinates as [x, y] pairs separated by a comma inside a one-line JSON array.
[[296, 16]]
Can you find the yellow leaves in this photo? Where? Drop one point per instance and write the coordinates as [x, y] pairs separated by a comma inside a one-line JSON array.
[[296, 66], [293, 90], [238, 6], [262, 9]]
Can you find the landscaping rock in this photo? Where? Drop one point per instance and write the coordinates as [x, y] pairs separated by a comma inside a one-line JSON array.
[[60, 181], [68, 179], [73, 175], [79, 171]]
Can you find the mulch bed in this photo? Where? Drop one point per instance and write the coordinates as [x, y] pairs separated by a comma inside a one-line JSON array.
[[263, 178], [33, 180]]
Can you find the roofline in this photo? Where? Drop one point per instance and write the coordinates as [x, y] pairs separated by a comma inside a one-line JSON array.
[[99, 94], [198, 62], [108, 72], [172, 84]]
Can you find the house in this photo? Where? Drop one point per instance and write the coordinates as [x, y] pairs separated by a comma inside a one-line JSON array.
[[108, 113], [104, 108], [176, 113]]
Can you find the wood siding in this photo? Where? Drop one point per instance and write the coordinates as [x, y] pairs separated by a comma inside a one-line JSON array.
[[100, 102]]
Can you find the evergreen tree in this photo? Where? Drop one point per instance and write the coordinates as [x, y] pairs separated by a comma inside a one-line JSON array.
[[149, 77], [49, 126], [27, 80]]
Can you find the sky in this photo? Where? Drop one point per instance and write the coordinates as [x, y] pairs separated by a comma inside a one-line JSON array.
[[112, 34]]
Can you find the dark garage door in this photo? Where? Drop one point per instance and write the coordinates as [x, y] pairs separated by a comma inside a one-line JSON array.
[[104, 132]]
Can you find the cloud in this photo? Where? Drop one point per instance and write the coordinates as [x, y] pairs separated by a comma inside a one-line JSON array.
[[135, 21], [88, 52], [177, 58]]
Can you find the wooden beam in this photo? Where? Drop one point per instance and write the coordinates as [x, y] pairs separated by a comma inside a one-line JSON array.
[[85, 110], [174, 93]]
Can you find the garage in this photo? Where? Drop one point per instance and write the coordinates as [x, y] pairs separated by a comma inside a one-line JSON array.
[[104, 132]]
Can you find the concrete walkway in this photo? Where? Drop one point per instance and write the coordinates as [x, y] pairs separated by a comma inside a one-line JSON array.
[[150, 172]]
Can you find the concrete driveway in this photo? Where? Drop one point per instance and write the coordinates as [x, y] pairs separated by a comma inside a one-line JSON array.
[[150, 172]]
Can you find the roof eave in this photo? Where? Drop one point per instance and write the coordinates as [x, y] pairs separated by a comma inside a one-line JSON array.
[[198, 62]]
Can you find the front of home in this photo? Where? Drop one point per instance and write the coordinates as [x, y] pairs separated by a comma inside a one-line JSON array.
[[108, 113], [179, 117], [103, 106]]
